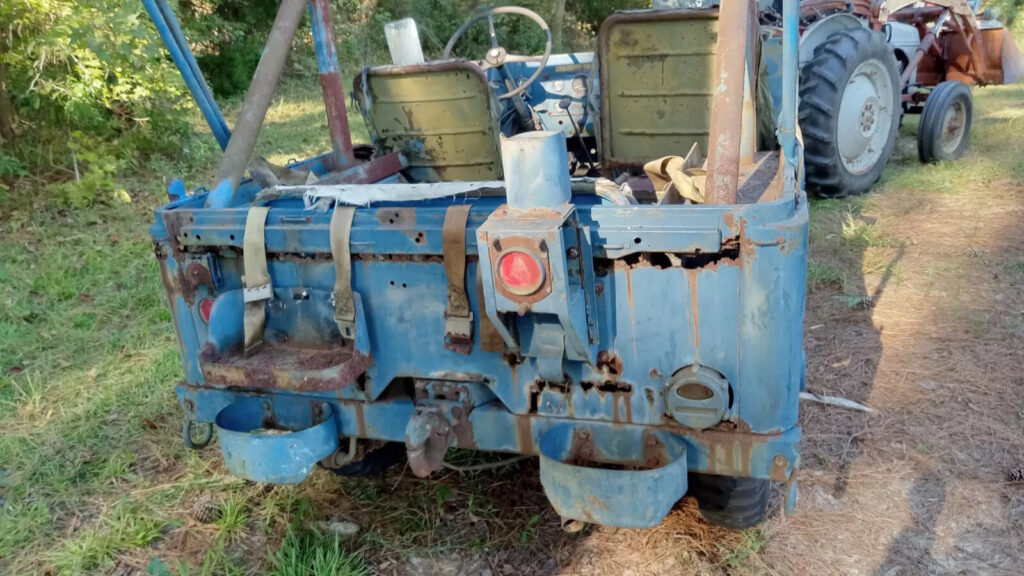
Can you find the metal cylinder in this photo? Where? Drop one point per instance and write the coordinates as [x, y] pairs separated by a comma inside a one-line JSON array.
[[535, 170], [404, 42], [726, 129], [257, 101], [790, 79]]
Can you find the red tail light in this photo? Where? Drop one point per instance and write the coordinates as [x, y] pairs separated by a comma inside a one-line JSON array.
[[205, 307], [520, 272]]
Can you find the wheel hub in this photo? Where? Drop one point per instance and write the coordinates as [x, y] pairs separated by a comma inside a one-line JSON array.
[[953, 127], [869, 116], [865, 117]]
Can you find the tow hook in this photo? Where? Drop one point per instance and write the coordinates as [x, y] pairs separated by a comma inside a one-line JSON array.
[[427, 436]]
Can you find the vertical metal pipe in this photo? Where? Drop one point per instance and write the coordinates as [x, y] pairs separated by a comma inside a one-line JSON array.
[[790, 51], [330, 81], [257, 101], [534, 166], [923, 48], [170, 32], [727, 106]]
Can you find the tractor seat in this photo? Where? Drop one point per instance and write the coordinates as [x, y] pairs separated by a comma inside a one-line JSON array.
[[441, 115], [657, 79]]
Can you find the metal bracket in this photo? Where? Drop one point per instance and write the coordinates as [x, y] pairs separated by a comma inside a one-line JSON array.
[[344, 300], [256, 280], [426, 440], [458, 317]]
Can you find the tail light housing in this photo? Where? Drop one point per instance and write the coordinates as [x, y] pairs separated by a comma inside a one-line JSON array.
[[520, 272]]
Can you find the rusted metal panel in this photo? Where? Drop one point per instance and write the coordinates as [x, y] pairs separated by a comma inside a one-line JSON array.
[[284, 368], [330, 82], [726, 129]]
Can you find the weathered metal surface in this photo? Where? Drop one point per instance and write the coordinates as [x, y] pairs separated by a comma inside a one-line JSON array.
[[439, 115], [330, 82], [257, 101], [657, 84], [725, 133], [579, 488], [301, 433]]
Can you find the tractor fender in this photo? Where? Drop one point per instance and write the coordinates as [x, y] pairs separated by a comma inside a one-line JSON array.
[[817, 33]]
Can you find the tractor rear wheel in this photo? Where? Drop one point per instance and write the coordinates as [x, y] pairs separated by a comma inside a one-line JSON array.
[[945, 128], [735, 503], [849, 112]]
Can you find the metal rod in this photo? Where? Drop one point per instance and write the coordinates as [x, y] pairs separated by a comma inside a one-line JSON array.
[[170, 32], [727, 107], [190, 59], [790, 89], [257, 102], [330, 82], [923, 48]]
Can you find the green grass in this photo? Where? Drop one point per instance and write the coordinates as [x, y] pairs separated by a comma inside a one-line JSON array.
[[309, 553]]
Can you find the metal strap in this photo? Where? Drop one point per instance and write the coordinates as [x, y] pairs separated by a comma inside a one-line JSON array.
[[256, 280], [344, 302], [490, 338], [458, 319]]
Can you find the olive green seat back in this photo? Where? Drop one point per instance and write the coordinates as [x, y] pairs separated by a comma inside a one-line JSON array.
[[441, 116], [657, 77]]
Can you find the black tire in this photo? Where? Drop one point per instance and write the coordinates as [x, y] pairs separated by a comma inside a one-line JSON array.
[[823, 81], [932, 143], [734, 503], [374, 462]]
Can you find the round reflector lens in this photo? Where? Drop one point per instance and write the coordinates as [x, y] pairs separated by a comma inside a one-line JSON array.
[[205, 307], [520, 272]]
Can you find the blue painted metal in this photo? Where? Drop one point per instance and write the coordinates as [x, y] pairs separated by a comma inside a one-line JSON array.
[[277, 441], [170, 31], [609, 496], [534, 167], [790, 79], [633, 297]]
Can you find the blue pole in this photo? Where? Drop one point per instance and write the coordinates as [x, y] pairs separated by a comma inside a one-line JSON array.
[[790, 66], [170, 32]]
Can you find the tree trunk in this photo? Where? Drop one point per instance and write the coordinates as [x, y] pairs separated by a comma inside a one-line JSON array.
[[6, 107], [558, 24]]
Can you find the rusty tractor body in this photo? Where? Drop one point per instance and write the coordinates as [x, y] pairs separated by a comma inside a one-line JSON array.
[[589, 258]]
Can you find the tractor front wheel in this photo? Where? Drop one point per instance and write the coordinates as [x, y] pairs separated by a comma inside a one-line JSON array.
[[945, 127], [849, 112]]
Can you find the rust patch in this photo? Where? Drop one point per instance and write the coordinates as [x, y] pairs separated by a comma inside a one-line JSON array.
[[462, 428], [524, 434], [280, 367], [360, 420], [197, 275], [396, 217], [610, 363]]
